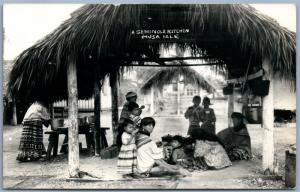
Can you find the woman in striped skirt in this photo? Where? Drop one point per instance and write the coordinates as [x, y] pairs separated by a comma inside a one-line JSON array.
[[127, 155], [31, 145]]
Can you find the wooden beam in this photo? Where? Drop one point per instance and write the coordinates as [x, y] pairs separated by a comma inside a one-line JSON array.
[[114, 105], [243, 79], [172, 65], [14, 120], [230, 107], [178, 96], [97, 113], [73, 119], [268, 122]]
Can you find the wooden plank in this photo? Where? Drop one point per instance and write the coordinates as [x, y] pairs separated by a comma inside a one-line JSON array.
[[73, 154], [243, 79], [268, 123]]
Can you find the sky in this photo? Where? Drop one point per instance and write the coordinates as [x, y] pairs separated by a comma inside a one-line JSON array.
[[25, 24]]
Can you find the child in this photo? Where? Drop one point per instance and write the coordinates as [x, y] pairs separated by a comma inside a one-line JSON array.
[[208, 117], [193, 114], [178, 149], [127, 155], [134, 113]]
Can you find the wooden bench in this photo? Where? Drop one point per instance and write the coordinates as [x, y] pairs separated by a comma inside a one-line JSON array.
[[86, 130]]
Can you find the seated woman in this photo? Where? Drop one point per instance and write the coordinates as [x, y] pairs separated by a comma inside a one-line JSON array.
[[209, 152], [148, 154], [236, 139]]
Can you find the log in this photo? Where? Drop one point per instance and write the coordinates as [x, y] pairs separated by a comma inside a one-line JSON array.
[[268, 123], [97, 113], [73, 154], [114, 105]]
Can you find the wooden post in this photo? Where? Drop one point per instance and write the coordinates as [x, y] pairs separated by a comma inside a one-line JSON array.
[[230, 107], [14, 120], [52, 111], [178, 96], [72, 117], [97, 113], [114, 105], [268, 122], [152, 101]]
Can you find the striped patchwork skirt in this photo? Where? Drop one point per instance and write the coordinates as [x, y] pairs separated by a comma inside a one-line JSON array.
[[238, 154], [31, 145], [127, 159]]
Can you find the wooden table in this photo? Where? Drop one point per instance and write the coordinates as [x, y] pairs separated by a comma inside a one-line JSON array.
[[85, 129]]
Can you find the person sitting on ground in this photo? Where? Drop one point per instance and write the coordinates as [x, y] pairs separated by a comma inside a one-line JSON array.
[[208, 117], [148, 154], [130, 97], [178, 152], [186, 160], [209, 151], [127, 156], [193, 114], [236, 139]]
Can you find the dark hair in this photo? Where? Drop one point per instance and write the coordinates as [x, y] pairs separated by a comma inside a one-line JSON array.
[[178, 138], [206, 100], [121, 131], [132, 106], [147, 121], [188, 141], [201, 134], [197, 98], [126, 122]]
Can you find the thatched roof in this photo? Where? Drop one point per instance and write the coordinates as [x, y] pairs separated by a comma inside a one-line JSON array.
[[166, 75], [100, 39]]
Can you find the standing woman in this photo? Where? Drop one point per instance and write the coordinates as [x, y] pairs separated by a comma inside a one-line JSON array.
[[31, 145]]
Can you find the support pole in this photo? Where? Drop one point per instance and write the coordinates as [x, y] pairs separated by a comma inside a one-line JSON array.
[[230, 107], [268, 122], [114, 105], [97, 113], [178, 96], [73, 121], [152, 101], [14, 120]]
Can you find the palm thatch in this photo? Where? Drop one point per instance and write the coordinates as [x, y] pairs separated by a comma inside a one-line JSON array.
[[99, 38], [166, 75]]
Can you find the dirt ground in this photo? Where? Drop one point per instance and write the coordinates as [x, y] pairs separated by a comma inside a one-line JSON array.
[[54, 174]]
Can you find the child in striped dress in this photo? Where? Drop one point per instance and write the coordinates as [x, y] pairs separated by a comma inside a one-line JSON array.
[[127, 155]]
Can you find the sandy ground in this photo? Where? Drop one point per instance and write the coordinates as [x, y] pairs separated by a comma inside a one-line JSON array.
[[54, 174]]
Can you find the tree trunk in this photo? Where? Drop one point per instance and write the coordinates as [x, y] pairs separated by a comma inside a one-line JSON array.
[[73, 121], [97, 113], [268, 123], [14, 120], [114, 105]]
